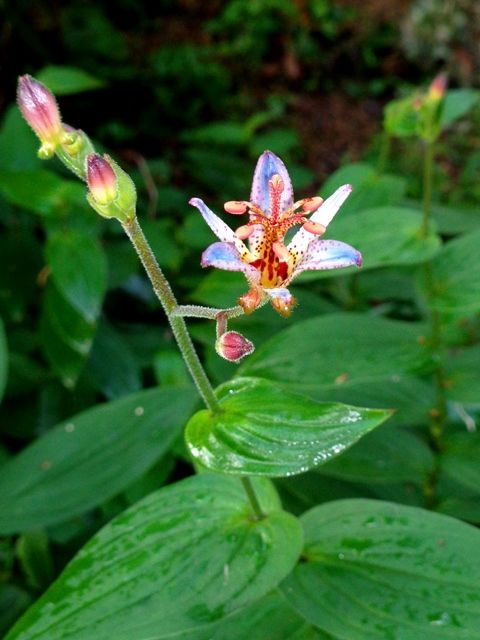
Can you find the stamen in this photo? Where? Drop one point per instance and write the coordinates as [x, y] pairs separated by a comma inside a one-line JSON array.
[[314, 227], [281, 251], [244, 231], [236, 207], [312, 204]]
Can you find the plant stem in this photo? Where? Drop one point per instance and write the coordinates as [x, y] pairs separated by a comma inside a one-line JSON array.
[[168, 301], [385, 146], [428, 159], [439, 412], [255, 504], [165, 294]]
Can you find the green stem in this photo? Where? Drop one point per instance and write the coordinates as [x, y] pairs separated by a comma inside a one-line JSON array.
[[439, 411], [167, 298], [165, 294], [428, 159], [252, 496]]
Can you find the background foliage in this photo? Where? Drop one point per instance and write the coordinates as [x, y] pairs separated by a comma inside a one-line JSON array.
[[95, 396]]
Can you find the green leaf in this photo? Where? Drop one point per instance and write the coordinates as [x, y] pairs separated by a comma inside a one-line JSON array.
[[460, 459], [456, 273], [3, 359], [454, 219], [340, 350], [270, 617], [385, 236], [378, 571], [67, 80], [264, 430], [183, 558], [79, 270], [13, 601], [18, 143], [35, 559], [90, 458], [457, 103], [370, 189], [112, 366], [41, 191], [462, 376], [387, 455]]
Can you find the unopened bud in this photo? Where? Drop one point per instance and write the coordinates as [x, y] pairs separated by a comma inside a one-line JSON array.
[[233, 346], [235, 207], [111, 191], [250, 300], [101, 179], [438, 87], [40, 110]]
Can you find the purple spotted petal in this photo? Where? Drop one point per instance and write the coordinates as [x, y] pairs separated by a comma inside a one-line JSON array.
[[324, 215], [326, 212], [269, 165], [224, 255], [216, 224], [280, 293], [328, 254]]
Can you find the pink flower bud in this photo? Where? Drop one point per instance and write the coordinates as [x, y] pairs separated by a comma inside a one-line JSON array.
[[438, 87], [101, 179], [233, 346], [40, 109]]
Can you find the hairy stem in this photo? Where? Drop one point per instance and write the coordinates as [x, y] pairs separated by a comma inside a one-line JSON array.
[[165, 294], [173, 312]]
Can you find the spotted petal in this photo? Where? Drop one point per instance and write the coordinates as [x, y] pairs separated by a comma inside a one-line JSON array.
[[328, 254], [218, 226], [279, 293], [324, 215], [224, 255], [269, 165]]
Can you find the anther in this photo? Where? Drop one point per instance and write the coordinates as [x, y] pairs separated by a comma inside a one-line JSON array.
[[312, 204], [244, 231], [281, 251], [314, 227], [236, 207]]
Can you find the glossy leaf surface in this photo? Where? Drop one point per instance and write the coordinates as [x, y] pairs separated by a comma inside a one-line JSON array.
[[265, 430], [89, 458], [181, 559], [392, 571]]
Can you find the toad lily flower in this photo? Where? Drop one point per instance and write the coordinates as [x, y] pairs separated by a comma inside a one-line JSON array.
[[267, 263]]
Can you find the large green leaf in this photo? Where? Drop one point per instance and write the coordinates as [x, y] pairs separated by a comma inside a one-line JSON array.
[[263, 429], [340, 350], [456, 273], [385, 236], [66, 80], [460, 460], [268, 618], [79, 270], [378, 571], [369, 188], [457, 103], [463, 376], [387, 455], [3, 359], [182, 558], [90, 458]]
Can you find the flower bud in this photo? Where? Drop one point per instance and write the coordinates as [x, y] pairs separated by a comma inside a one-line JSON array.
[[437, 89], [101, 179], [111, 191], [40, 110], [232, 346]]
